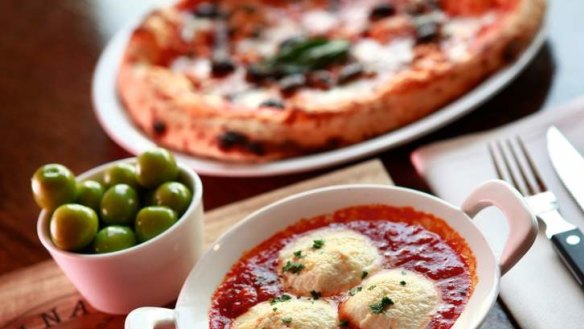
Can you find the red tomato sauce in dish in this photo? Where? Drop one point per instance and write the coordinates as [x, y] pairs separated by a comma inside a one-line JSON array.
[[406, 238]]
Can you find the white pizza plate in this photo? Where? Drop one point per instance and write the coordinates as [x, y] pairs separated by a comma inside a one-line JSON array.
[[118, 125]]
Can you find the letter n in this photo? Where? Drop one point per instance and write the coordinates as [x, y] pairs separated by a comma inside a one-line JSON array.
[[51, 318]]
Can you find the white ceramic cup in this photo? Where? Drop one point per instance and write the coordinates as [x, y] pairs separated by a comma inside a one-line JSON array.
[[149, 274], [193, 304]]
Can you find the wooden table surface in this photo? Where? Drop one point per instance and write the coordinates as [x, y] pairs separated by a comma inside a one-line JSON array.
[[48, 51]]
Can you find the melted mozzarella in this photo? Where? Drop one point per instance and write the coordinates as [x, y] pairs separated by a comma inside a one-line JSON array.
[[467, 27], [319, 21], [197, 67], [355, 15], [292, 314], [253, 98], [262, 47], [461, 31], [414, 299], [323, 99], [335, 267], [232, 84], [192, 25], [380, 57], [271, 38]]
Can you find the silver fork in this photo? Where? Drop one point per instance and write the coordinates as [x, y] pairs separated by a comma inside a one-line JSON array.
[[514, 164]]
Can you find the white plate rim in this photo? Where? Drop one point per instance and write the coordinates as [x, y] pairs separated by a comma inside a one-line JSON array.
[[113, 118]]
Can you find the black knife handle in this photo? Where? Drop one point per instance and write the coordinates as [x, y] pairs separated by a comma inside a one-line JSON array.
[[570, 247]]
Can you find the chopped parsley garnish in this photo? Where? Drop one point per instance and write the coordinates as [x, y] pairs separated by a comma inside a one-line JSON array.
[[355, 290], [274, 309], [315, 295], [287, 320], [283, 298], [298, 254], [380, 307], [371, 287], [317, 244], [403, 283], [293, 267], [364, 275], [343, 323]]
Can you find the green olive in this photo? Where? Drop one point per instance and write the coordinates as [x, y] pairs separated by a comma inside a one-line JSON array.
[[119, 205], [173, 195], [53, 185], [153, 220], [114, 238], [122, 173], [73, 227], [155, 167], [89, 193]]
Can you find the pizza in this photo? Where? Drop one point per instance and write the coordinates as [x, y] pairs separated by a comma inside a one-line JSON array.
[[260, 80]]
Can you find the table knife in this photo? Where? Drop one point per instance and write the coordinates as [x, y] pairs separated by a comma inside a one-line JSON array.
[[569, 166]]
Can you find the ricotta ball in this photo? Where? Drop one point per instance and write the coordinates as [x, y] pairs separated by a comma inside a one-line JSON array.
[[327, 262], [393, 299], [289, 314]]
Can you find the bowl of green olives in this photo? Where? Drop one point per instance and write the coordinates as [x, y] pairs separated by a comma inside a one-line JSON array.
[[126, 233]]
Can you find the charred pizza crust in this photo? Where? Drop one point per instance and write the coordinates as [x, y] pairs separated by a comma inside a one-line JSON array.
[[170, 108]]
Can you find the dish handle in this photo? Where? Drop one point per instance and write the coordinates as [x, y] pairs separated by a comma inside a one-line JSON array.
[[522, 224], [150, 318]]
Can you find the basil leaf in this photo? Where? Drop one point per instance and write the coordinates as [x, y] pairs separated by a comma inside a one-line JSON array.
[[300, 56], [320, 56], [294, 49]]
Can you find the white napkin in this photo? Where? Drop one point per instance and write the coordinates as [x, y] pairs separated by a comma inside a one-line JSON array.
[[539, 291]]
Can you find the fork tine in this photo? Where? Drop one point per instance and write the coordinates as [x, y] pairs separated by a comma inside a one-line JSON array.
[[496, 162], [514, 164], [520, 157], [538, 184], [504, 166], [513, 167]]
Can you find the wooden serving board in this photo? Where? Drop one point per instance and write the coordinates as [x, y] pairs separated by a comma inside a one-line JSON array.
[[40, 296]]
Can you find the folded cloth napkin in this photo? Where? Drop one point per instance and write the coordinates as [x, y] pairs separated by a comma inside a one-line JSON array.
[[539, 291]]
